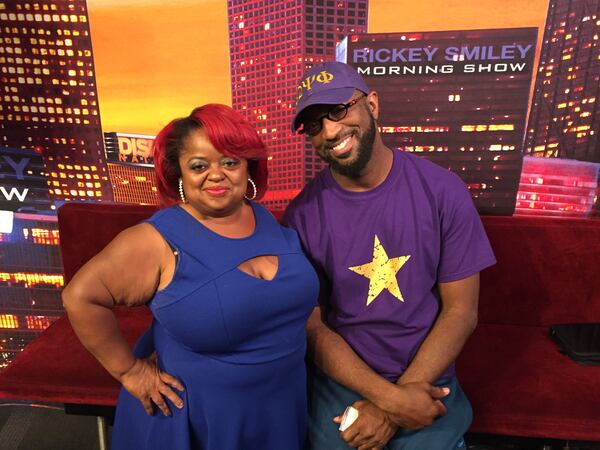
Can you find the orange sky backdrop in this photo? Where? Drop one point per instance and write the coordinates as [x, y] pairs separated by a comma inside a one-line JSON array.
[[156, 60]]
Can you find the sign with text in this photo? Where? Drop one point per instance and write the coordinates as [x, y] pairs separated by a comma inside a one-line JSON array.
[[130, 148], [23, 185], [410, 54]]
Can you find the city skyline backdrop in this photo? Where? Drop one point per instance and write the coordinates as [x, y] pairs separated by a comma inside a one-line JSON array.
[[89, 100], [143, 83]]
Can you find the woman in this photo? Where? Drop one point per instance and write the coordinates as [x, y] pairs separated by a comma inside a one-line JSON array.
[[229, 290]]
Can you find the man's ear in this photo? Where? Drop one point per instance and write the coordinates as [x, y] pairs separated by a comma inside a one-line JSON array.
[[373, 104]]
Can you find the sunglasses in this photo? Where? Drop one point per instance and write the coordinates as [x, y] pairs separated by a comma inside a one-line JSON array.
[[314, 126]]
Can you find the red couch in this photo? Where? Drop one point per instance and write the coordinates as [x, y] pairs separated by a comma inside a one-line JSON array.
[[548, 271], [55, 368], [518, 382]]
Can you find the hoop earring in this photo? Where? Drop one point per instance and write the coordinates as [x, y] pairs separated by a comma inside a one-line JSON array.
[[181, 194], [253, 188]]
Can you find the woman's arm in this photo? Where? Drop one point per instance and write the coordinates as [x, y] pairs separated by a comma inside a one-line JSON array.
[[127, 272]]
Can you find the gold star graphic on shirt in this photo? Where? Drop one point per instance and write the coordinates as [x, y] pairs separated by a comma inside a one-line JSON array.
[[381, 272]]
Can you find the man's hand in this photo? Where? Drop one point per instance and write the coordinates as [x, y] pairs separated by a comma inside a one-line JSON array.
[[415, 405], [146, 382], [372, 429]]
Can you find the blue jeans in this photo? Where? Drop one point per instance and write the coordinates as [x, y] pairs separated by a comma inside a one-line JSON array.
[[328, 399]]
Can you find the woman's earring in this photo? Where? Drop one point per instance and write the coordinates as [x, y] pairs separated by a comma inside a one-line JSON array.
[[253, 188], [181, 194]]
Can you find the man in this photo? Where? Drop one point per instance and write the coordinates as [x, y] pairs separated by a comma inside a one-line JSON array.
[[398, 245]]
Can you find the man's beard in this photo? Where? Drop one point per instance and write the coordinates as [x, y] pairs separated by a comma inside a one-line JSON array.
[[363, 154]]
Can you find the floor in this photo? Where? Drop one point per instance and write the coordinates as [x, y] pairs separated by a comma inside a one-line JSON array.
[[23, 427]]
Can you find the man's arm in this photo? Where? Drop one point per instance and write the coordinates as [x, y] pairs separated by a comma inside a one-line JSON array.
[[455, 323], [412, 405], [334, 356]]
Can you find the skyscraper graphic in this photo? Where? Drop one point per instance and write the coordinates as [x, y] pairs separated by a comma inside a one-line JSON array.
[[48, 107], [30, 269], [457, 98], [131, 168], [272, 43], [48, 98], [557, 187], [30, 281], [564, 121]]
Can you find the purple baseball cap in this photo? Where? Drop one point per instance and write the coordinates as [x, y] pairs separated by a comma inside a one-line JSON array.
[[328, 83]]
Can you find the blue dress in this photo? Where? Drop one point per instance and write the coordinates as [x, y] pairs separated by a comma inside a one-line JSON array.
[[236, 342]]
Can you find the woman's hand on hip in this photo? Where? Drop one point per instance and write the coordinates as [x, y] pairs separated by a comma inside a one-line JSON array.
[[146, 382]]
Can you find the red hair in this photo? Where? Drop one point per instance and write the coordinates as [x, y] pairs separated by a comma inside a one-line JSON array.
[[227, 131]]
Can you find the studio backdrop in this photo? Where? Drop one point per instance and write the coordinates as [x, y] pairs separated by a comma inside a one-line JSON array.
[[505, 94]]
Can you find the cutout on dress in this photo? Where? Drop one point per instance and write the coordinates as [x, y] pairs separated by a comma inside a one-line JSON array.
[[262, 267]]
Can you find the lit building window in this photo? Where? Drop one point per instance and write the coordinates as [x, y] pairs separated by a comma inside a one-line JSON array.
[[491, 127], [9, 321], [39, 322]]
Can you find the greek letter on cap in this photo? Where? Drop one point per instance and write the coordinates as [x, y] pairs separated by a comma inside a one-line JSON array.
[[306, 83], [324, 77], [298, 94]]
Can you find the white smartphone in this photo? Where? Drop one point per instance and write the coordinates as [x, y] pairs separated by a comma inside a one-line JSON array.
[[348, 418]]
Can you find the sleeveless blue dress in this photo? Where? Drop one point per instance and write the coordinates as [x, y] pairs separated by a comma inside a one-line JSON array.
[[236, 342]]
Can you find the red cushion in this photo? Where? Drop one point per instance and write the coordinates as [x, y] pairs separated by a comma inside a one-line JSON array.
[[56, 368], [547, 271], [86, 228], [520, 384]]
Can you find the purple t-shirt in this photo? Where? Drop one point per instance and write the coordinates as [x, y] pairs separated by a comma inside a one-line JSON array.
[[381, 253]]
